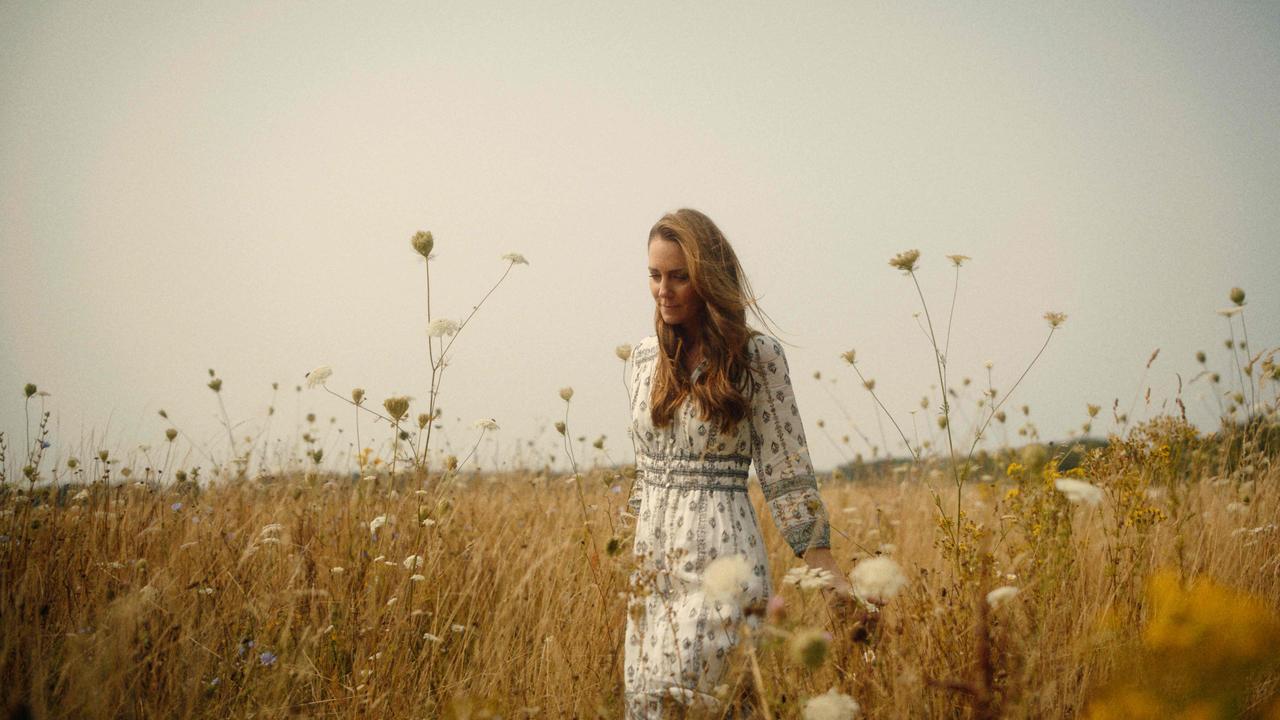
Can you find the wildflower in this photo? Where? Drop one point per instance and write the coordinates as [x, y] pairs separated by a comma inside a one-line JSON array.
[[417, 578], [809, 647], [1079, 491], [422, 243], [458, 628], [515, 258], [176, 507], [215, 384], [560, 427], [170, 434], [831, 705], [809, 578], [1231, 311], [998, 596], [877, 579], [337, 570], [1237, 296], [441, 327], [988, 364], [357, 395], [397, 406], [623, 352], [267, 658], [726, 578], [1093, 409], [1200, 356], [848, 356], [376, 523], [566, 393], [958, 260], [413, 561], [29, 389], [82, 495], [431, 638], [1055, 319], [318, 376], [485, 424], [905, 261]]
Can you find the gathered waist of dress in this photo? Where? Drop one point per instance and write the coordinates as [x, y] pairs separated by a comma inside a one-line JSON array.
[[695, 472]]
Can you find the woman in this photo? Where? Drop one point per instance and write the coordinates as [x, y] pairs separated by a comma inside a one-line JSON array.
[[708, 396]]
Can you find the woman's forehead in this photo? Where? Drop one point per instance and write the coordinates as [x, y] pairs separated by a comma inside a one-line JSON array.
[[665, 255]]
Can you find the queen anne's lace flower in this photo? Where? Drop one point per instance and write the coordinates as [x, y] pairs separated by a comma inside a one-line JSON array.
[[318, 376], [441, 327], [809, 578], [515, 258], [485, 424]]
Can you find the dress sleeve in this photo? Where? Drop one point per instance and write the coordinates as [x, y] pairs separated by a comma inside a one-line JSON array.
[[781, 454], [633, 388]]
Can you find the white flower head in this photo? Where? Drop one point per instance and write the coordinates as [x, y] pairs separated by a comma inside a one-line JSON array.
[[1079, 491], [515, 259], [412, 562], [997, 597], [831, 705], [877, 579], [485, 424], [417, 578], [441, 327], [317, 377], [809, 578], [1231, 311], [623, 352], [376, 523], [337, 570], [727, 578], [566, 394]]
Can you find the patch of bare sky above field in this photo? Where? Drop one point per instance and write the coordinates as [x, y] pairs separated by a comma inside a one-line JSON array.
[[186, 186]]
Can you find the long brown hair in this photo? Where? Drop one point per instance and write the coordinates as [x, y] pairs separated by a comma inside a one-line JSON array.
[[721, 392]]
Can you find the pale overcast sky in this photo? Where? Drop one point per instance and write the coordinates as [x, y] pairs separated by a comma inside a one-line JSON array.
[[234, 185]]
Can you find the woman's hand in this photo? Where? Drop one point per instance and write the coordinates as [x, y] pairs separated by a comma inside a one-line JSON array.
[[851, 613]]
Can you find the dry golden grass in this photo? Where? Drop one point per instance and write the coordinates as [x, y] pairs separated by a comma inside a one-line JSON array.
[[125, 604]]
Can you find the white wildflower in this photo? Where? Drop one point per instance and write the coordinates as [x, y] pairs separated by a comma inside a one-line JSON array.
[[82, 495], [877, 579], [515, 258], [376, 523], [485, 424], [831, 705], [809, 578], [1228, 312], [417, 578], [318, 376], [566, 394], [727, 578], [458, 628], [441, 327], [337, 570], [998, 596], [623, 352], [413, 561], [431, 638], [1079, 491]]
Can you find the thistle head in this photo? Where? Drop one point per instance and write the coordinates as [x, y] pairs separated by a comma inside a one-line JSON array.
[[422, 243]]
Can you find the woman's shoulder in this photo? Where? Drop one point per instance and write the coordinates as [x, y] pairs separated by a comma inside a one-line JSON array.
[[764, 347], [646, 349]]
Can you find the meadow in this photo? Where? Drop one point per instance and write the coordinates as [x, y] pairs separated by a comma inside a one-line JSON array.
[[1134, 576]]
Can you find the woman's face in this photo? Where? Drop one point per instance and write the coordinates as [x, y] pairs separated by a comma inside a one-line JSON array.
[[669, 282]]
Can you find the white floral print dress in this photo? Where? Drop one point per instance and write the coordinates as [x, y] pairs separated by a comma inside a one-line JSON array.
[[691, 505]]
